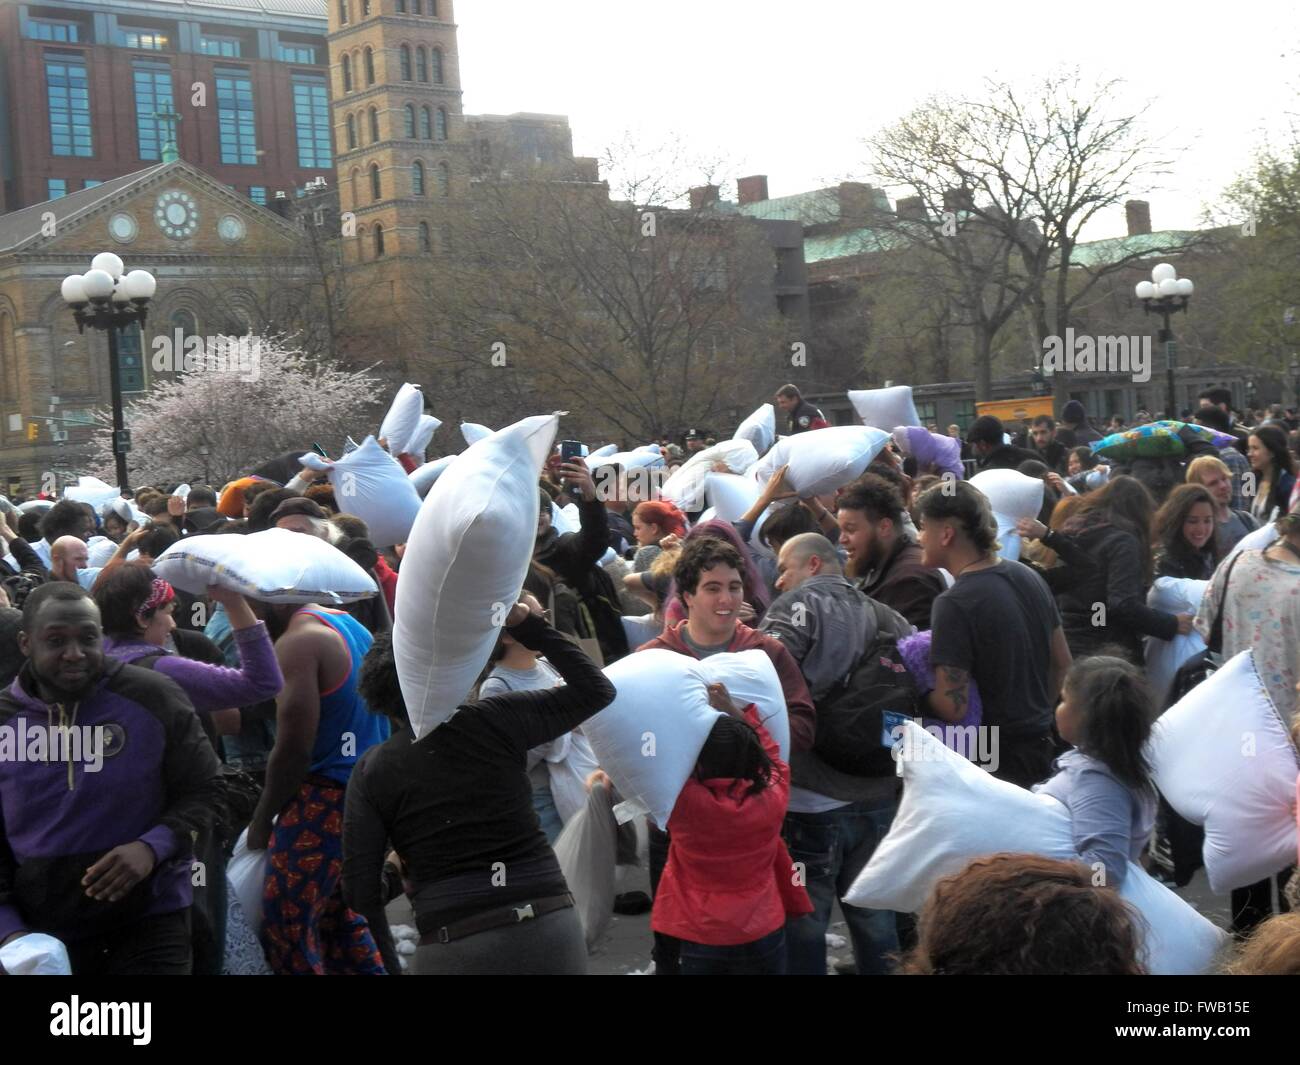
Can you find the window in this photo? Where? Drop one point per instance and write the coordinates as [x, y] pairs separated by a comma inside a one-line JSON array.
[[257, 193], [433, 8], [421, 64], [352, 178], [8, 357], [69, 99], [90, 183], [375, 191], [404, 61], [365, 8], [311, 113], [236, 118], [153, 96], [374, 125], [347, 74], [927, 412], [298, 53], [444, 180], [435, 60], [44, 29], [370, 66], [379, 241], [142, 37], [223, 46], [408, 116], [343, 12], [416, 7], [417, 179], [426, 125], [401, 7], [55, 187], [440, 125], [352, 132], [426, 244]]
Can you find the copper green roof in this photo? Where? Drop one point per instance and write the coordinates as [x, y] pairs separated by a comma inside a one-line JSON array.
[[1100, 252], [855, 242]]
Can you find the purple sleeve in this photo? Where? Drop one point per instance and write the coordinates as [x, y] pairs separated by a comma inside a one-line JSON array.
[[162, 841], [11, 921], [213, 687]]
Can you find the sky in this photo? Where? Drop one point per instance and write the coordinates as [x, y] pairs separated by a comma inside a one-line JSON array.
[[793, 89]]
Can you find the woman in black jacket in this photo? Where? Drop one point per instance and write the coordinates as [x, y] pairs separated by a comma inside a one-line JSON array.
[[1184, 534], [456, 805], [1107, 604]]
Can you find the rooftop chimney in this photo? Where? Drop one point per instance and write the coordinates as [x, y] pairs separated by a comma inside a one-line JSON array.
[[1138, 215], [912, 207], [958, 200], [703, 196], [586, 168], [752, 189]]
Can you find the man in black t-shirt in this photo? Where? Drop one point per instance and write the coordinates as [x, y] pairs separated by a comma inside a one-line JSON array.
[[997, 626]]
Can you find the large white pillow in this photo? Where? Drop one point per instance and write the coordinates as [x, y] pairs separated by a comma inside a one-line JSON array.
[[750, 677], [93, 491], [885, 408], [473, 432], [759, 428], [730, 495], [952, 811], [465, 562], [686, 485], [1012, 495], [602, 451], [371, 484], [1224, 759], [823, 460], [424, 431], [1259, 540], [423, 479], [634, 460], [403, 418], [1173, 595], [649, 738], [275, 566]]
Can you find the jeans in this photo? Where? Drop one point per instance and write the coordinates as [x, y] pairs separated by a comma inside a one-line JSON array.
[[763, 957], [548, 816], [152, 946], [833, 847]]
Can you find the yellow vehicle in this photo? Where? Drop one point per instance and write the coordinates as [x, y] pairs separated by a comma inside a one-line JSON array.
[[1012, 410]]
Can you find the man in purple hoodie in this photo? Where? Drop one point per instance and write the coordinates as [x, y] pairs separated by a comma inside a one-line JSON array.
[[104, 776]]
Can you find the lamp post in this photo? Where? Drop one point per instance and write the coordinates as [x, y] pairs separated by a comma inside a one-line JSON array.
[[1166, 294], [204, 452], [1038, 385], [107, 297]]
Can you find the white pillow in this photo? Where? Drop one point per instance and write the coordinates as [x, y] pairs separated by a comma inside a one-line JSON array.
[[564, 520], [641, 629], [730, 495], [952, 812], [632, 460], [423, 434], [91, 490], [750, 677], [465, 562], [1012, 495], [759, 428], [1173, 595], [473, 432], [885, 408], [423, 479], [649, 738], [686, 485], [275, 566], [35, 954], [601, 452], [1223, 758], [1262, 538], [371, 484], [824, 460], [403, 418]]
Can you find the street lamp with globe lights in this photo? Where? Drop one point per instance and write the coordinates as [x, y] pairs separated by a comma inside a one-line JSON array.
[[107, 297], [1166, 294]]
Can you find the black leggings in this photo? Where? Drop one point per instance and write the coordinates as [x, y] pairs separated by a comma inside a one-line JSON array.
[[151, 946]]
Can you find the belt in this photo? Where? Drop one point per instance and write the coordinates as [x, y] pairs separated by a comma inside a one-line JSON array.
[[498, 918]]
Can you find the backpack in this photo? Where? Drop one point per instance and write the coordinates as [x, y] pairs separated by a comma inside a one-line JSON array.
[[853, 734]]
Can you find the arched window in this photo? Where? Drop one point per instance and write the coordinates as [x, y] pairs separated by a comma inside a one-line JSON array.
[[374, 125], [8, 358], [426, 125], [365, 8], [352, 132], [347, 74], [379, 241], [401, 7], [405, 62], [440, 125], [421, 64], [361, 243], [408, 116], [435, 60], [370, 66], [353, 179], [426, 244], [375, 191], [343, 12], [416, 7], [417, 179], [433, 8], [444, 180]]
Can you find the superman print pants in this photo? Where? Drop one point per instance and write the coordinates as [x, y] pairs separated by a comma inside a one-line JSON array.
[[306, 927]]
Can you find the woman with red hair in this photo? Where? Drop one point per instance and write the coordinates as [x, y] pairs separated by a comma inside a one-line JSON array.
[[651, 522]]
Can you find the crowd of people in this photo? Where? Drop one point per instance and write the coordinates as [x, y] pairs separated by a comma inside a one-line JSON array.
[[281, 728]]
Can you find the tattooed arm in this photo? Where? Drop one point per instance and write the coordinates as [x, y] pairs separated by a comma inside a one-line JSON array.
[[951, 696]]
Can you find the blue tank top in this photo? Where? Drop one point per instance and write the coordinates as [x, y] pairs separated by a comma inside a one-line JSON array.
[[347, 728]]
